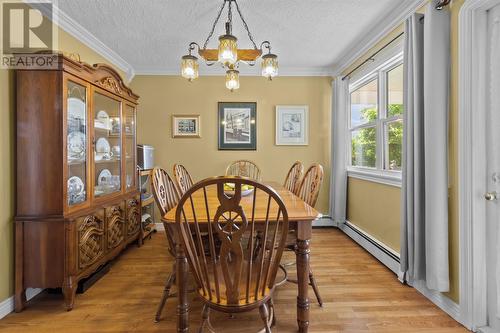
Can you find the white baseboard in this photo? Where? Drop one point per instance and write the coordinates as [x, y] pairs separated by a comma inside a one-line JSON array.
[[486, 330], [391, 259], [324, 221], [443, 302], [7, 306]]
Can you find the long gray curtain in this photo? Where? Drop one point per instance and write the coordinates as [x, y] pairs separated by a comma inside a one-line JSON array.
[[338, 183], [424, 222]]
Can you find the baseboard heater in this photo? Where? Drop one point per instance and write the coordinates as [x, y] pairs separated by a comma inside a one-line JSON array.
[[380, 251]]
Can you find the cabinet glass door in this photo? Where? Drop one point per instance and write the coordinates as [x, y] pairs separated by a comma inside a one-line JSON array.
[[107, 145], [130, 149], [76, 109]]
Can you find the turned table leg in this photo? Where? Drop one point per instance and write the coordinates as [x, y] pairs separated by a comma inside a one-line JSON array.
[[182, 292], [302, 253]]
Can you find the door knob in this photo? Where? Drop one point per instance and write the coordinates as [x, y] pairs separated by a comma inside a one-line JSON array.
[[491, 196]]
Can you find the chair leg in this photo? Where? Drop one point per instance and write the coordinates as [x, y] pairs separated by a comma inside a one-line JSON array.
[[205, 319], [264, 315], [272, 311], [166, 294], [312, 282]]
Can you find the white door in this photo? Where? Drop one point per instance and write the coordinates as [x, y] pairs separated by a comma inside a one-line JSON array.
[[493, 172]]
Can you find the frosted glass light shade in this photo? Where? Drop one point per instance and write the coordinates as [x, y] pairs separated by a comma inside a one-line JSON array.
[[269, 65], [189, 67], [228, 50], [232, 79]]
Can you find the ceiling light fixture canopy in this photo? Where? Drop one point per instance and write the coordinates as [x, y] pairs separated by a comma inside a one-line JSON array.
[[227, 54]]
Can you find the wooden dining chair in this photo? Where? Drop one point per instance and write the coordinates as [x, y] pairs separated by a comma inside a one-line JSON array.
[[293, 177], [166, 196], [183, 178], [234, 277], [244, 168], [311, 184], [308, 191]]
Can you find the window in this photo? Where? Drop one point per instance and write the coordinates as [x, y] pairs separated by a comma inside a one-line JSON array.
[[376, 118]]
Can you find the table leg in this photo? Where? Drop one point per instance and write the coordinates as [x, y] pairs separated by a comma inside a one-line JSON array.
[[304, 230], [182, 292]]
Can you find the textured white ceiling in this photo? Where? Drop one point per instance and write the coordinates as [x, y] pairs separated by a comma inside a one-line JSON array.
[[152, 35]]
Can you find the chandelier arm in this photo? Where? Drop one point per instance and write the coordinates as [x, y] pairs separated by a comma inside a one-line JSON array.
[[249, 63], [214, 25], [245, 25], [265, 44], [192, 46]]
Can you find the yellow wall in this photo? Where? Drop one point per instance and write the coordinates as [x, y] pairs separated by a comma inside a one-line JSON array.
[[362, 213], [7, 146], [380, 217], [163, 96]]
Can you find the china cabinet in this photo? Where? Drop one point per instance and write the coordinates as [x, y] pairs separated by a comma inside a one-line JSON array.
[[78, 203]]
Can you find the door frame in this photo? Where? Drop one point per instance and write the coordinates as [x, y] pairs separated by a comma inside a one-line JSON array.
[[473, 40]]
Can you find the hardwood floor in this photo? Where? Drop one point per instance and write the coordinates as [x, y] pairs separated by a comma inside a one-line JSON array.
[[359, 294]]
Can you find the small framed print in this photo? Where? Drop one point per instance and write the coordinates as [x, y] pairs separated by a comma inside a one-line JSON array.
[[186, 126], [237, 126], [292, 125]]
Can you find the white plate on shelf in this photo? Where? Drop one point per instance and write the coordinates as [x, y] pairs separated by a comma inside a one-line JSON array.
[[102, 120], [103, 175], [75, 186], [76, 145], [76, 108], [102, 146]]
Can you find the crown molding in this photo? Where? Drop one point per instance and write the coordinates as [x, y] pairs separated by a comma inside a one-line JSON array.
[[72, 27], [244, 71], [366, 41]]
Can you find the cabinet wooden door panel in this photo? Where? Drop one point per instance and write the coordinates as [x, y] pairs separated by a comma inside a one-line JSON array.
[[133, 217], [115, 230], [90, 239]]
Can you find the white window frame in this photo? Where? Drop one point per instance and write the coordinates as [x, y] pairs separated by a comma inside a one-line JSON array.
[[378, 70]]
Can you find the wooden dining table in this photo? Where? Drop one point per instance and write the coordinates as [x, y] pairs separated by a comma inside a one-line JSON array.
[[301, 216]]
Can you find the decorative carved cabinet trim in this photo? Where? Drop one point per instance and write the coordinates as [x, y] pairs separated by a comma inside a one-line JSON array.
[[90, 240], [109, 83], [133, 217], [68, 223], [115, 226]]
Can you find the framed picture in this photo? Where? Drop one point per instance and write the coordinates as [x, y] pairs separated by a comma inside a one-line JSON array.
[[237, 126], [292, 125], [186, 126]]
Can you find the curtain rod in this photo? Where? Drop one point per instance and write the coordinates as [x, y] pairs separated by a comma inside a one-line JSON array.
[[370, 58], [439, 6]]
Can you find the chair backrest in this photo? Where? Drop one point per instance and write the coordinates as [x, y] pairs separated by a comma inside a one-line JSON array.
[[183, 178], [244, 168], [292, 180], [166, 196], [164, 190], [311, 184], [236, 264]]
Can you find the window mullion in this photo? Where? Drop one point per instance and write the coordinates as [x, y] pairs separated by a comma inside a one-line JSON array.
[[380, 126]]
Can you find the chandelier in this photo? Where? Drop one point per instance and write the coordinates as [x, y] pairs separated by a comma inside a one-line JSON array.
[[228, 55]]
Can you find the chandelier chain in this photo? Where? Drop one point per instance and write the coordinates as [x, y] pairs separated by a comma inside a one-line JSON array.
[[245, 25], [214, 25]]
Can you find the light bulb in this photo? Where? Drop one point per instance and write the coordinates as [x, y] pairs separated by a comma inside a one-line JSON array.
[[269, 65], [228, 50], [232, 79], [189, 67]]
